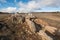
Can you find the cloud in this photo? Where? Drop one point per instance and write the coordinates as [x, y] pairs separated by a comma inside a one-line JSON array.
[[32, 5], [37, 4], [9, 9], [51, 3], [28, 7], [3, 1]]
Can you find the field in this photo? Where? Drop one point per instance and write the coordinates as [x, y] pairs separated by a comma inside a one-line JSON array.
[[52, 18]]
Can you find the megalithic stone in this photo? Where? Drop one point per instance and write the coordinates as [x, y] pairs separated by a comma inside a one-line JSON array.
[[58, 32], [46, 26], [44, 36], [51, 29], [31, 25], [41, 22]]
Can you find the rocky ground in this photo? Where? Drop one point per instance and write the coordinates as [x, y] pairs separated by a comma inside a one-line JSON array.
[[18, 27]]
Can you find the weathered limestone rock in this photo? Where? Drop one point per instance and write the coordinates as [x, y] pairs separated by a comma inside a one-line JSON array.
[[24, 28], [31, 25], [44, 35]]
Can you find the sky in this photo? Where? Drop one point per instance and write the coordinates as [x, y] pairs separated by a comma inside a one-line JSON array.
[[29, 6]]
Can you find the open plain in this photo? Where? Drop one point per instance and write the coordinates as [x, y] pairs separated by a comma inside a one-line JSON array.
[[19, 27]]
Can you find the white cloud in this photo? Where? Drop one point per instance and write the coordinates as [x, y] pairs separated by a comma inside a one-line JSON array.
[[37, 4], [3, 1], [48, 2], [9, 9], [32, 5], [28, 7]]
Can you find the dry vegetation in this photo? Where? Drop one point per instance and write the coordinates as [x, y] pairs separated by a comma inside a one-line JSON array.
[[45, 26]]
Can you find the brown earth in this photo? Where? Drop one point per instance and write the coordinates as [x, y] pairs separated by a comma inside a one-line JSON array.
[[16, 30]]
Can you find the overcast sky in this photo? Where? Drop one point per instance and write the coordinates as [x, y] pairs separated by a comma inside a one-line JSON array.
[[29, 5]]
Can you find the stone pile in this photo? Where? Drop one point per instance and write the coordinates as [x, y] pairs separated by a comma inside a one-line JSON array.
[[18, 27]]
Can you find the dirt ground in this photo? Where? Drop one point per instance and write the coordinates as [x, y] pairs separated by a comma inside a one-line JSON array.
[[53, 19]]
